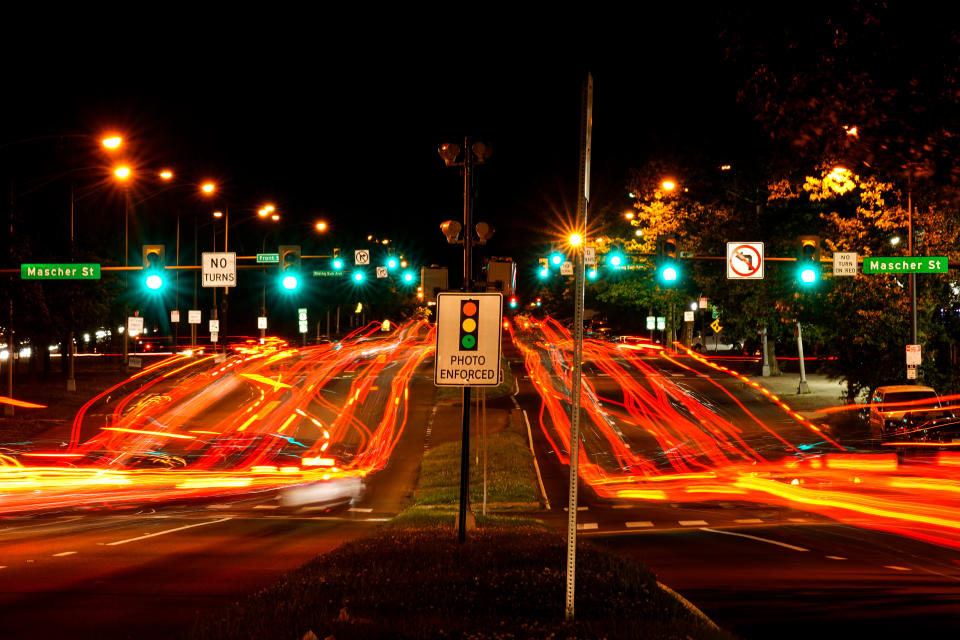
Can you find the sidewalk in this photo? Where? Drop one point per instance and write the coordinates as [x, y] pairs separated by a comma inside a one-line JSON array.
[[823, 392]]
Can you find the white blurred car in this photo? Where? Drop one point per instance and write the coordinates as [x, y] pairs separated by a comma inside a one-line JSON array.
[[325, 493], [715, 343]]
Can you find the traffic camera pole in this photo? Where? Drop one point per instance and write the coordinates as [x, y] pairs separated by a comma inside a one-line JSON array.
[[467, 282]]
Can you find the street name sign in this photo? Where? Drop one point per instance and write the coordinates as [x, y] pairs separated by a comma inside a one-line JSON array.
[[193, 316], [469, 329], [906, 264], [268, 258], [59, 271], [326, 274], [744, 260], [844, 263], [219, 269]]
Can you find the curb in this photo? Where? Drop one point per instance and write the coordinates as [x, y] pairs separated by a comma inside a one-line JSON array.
[[690, 607]]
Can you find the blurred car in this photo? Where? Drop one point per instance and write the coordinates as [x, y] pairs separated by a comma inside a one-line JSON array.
[[715, 343], [911, 412], [324, 494]]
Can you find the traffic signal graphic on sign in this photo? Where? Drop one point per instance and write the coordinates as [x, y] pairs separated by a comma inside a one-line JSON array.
[[469, 324]]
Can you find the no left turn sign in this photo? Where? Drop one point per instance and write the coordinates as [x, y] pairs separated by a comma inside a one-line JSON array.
[[744, 260]]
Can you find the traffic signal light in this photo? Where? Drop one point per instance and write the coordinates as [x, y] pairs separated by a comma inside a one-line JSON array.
[[513, 302], [289, 266], [556, 258], [615, 259], [337, 263], [392, 262], [668, 268], [539, 302], [408, 277], [153, 265], [544, 269], [469, 324], [808, 259]]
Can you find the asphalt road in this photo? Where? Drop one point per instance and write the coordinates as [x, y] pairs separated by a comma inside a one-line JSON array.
[[759, 570]]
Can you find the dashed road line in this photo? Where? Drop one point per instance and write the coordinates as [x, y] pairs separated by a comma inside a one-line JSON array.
[[161, 533], [63, 553], [757, 538], [749, 521], [361, 509], [692, 523], [587, 526], [639, 524], [896, 568], [578, 508], [835, 558], [266, 506], [797, 520]]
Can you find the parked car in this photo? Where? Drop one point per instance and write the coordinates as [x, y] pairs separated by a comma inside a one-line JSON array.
[[911, 412], [715, 343]]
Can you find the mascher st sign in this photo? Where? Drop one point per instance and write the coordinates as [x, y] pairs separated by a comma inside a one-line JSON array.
[[59, 271]]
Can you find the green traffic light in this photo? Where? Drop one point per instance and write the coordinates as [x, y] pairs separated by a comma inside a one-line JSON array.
[[154, 282], [544, 272], [669, 274], [556, 259], [615, 260], [808, 275], [290, 282]]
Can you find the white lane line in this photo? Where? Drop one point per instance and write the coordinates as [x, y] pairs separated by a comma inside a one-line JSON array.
[[578, 508], [586, 526], [749, 521], [536, 467], [161, 533], [797, 520], [638, 524], [219, 506], [360, 509], [3, 566], [266, 506], [835, 558], [896, 568], [63, 553], [624, 506], [757, 538], [692, 523]]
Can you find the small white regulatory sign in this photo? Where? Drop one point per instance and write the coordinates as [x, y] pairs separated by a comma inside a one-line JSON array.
[[219, 269], [913, 354], [174, 316], [361, 256], [134, 325], [844, 264], [469, 329], [193, 316], [214, 326], [744, 260], [381, 272], [566, 269], [261, 322], [688, 316], [589, 256]]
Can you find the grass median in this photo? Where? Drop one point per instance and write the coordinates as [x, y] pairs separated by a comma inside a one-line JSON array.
[[412, 579]]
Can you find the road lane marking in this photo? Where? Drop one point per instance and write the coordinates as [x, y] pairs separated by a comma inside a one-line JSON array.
[[63, 553], [757, 538], [536, 467], [835, 558], [692, 523], [749, 521], [361, 509], [266, 506], [578, 508], [797, 520], [3, 566], [586, 526], [161, 533], [639, 523], [896, 568], [219, 506]]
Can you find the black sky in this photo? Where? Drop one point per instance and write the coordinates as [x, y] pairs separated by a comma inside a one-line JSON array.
[[342, 120]]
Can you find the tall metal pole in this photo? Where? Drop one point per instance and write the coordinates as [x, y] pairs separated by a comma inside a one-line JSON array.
[[583, 196], [913, 276], [71, 381], [126, 280], [11, 351], [803, 387], [467, 281]]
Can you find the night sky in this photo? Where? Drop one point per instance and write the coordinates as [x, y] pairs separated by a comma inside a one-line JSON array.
[[345, 126]]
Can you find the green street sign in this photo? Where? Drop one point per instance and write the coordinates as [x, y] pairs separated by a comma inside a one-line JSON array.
[[906, 264], [268, 258], [59, 271], [327, 274]]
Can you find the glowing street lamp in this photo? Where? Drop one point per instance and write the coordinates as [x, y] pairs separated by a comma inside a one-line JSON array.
[[208, 187], [321, 226], [112, 142], [122, 172], [166, 174]]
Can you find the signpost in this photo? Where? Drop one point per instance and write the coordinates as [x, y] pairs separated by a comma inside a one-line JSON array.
[[46, 271], [906, 264], [219, 269], [844, 264], [468, 339], [744, 260]]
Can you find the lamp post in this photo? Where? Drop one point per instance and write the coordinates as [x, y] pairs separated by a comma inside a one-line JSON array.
[[476, 152]]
